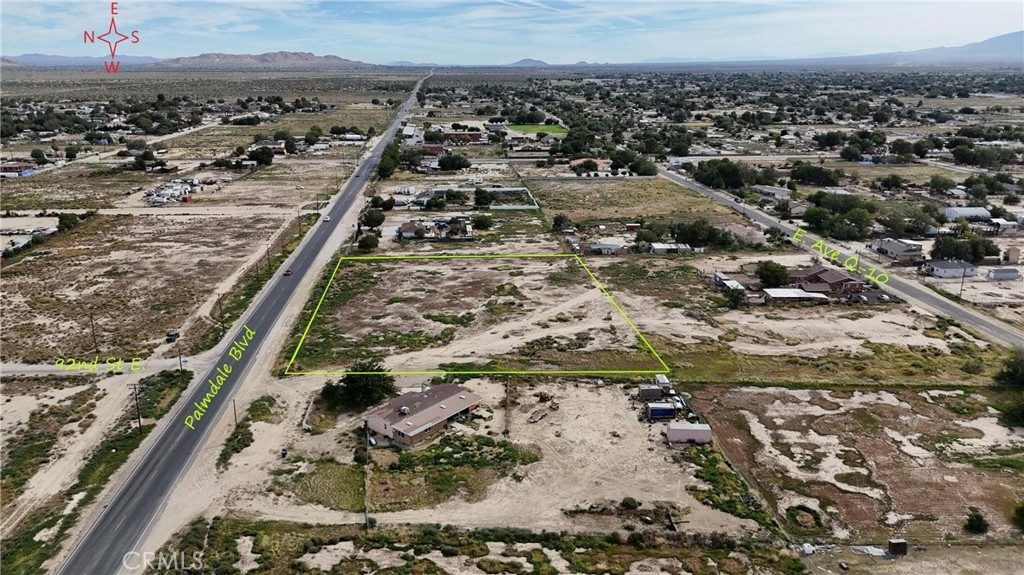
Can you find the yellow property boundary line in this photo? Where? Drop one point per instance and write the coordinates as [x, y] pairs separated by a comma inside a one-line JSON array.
[[622, 313]]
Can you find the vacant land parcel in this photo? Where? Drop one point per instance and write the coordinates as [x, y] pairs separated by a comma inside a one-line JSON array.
[[135, 277], [867, 465], [409, 311], [588, 199]]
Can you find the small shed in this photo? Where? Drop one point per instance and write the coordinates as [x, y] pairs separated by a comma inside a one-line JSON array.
[[897, 547], [683, 432], [661, 379], [660, 410], [1003, 274], [650, 392]]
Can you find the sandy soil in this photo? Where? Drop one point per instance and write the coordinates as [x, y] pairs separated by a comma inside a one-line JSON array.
[[582, 463], [136, 288], [538, 309], [74, 443], [890, 462], [932, 560]]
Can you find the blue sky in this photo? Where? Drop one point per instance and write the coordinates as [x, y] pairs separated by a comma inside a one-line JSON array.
[[503, 31]]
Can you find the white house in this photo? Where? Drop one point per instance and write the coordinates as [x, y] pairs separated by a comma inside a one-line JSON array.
[[683, 432], [953, 214], [950, 269], [1003, 274]]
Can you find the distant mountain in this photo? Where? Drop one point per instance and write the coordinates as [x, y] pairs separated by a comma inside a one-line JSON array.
[[53, 61], [527, 63], [1005, 50], [267, 61], [408, 64], [8, 63]]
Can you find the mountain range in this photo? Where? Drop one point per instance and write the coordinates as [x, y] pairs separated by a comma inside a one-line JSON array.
[[1006, 50]]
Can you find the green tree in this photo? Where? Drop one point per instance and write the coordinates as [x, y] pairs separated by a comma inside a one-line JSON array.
[[1012, 372], [453, 162], [372, 218], [735, 298], [561, 222], [976, 522], [263, 156], [940, 183], [67, 221], [368, 384], [482, 222], [481, 198], [772, 274], [1018, 515], [368, 242], [39, 156], [643, 167], [851, 153], [1011, 199]]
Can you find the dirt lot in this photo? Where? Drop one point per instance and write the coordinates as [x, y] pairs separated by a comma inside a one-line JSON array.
[[871, 464], [590, 449], [79, 186], [585, 199], [416, 314], [274, 185], [137, 276]]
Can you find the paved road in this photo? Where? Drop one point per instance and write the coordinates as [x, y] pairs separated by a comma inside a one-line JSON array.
[[139, 500], [993, 328]]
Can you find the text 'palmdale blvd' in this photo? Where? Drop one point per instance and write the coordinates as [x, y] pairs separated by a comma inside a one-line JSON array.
[[238, 347]]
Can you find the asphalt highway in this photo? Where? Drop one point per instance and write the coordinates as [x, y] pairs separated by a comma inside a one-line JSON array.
[[993, 328], [126, 519]]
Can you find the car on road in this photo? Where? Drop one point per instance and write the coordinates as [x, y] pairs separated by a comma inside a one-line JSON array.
[[738, 200], [172, 336], [327, 219], [288, 272]]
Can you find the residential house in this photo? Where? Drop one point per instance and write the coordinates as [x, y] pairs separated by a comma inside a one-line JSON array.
[[836, 280], [903, 251], [413, 418], [605, 248], [412, 230], [950, 269], [773, 191]]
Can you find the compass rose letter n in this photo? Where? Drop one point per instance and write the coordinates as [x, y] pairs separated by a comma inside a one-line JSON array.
[[112, 37]]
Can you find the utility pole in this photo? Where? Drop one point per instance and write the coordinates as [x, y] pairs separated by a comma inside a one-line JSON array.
[[95, 342], [138, 410], [235, 410], [178, 348], [963, 274]]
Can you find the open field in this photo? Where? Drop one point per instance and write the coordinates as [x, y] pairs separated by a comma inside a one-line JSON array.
[[78, 186], [86, 85], [586, 199], [279, 547], [520, 313], [274, 185], [917, 173], [137, 277], [534, 128], [867, 465]]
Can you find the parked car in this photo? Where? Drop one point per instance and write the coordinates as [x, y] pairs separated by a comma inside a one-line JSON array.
[[172, 336], [884, 298], [862, 298]]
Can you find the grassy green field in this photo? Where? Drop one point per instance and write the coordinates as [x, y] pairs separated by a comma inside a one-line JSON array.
[[534, 128]]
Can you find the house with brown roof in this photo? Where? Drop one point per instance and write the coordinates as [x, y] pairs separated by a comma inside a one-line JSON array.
[[415, 417], [817, 277]]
